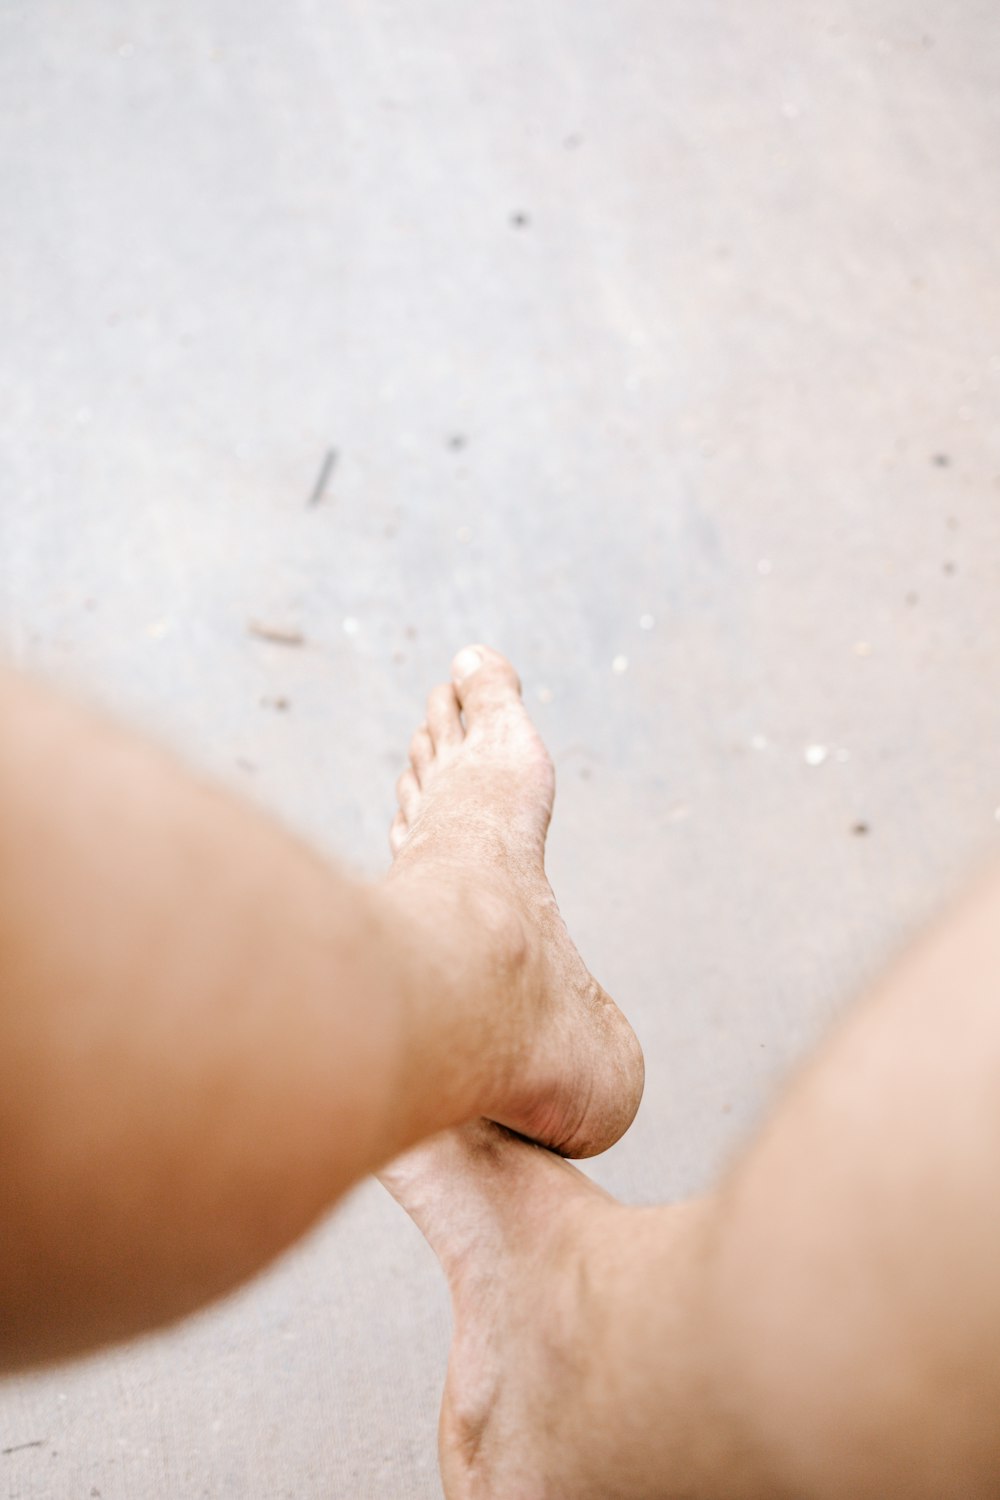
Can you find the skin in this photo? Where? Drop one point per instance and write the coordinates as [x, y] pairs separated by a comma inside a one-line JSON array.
[[203, 1048], [209, 1034], [824, 1326]]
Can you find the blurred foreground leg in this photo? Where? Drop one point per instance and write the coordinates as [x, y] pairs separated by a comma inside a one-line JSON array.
[[209, 1033], [825, 1327]]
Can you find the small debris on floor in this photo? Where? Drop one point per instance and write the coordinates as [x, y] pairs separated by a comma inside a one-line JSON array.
[[318, 491], [520, 220], [940, 460], [949, 568], [280, 705], [457, 441], [860, 830], [278, 635]]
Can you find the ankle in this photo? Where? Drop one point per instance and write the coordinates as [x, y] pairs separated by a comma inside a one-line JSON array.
[[465, 989], [649, 1368]]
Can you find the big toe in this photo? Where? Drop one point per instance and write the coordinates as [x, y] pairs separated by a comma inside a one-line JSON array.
[[485, 682]]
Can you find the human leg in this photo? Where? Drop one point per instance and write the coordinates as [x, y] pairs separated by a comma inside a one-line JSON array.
[[824, 1327], [209, 1033], [574, 1371]]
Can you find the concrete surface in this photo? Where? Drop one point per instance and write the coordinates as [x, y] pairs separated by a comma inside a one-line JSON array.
[[659, 331]]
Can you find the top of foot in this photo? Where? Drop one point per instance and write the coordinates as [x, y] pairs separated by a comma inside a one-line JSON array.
[[474, 806], [549, 1277], [512, 1227]]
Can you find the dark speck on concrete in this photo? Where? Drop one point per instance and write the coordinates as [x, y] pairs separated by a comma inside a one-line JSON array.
[[280, 705], [410, 632], [912, 600], [949, 568], [457, 441], [941, 460], [861, 830], [520, 220], [326, 468]]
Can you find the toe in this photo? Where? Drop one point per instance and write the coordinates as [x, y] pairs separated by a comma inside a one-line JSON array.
[[484, 681], [397, 833], [408, 795], [421, 753], [443, 717]]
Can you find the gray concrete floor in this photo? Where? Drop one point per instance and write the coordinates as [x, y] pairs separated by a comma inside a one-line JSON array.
[[664, 335]]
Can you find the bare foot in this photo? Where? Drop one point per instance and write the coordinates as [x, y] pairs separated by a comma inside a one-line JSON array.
[[548, 1278], [501, 1214], [474, 809]]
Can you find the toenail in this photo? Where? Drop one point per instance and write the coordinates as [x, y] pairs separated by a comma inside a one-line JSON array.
[[466, 662]]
